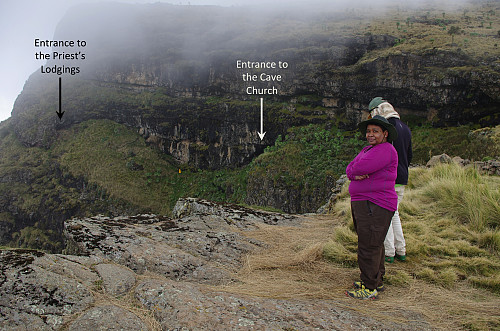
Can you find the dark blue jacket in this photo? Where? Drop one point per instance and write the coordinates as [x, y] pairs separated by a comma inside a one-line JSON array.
[[404, 149]]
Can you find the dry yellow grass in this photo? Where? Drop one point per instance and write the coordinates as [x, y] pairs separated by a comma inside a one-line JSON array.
[[126, 301], [292, 267]]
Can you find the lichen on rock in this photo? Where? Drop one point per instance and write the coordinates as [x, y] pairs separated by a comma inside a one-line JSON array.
[[152, 272]]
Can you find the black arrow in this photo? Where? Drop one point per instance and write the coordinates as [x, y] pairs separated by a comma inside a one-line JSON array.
[[60, 113]]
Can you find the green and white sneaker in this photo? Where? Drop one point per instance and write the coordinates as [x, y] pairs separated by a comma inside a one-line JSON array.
[[363, 293], [361, 285]]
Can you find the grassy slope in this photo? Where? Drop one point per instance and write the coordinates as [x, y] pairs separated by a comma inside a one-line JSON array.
[[26, 195], [96, 167], [108, 154], [124, 175], [117, 158], [468, 142]]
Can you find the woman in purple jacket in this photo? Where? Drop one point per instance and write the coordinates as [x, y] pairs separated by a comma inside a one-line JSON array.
[[374, 200]]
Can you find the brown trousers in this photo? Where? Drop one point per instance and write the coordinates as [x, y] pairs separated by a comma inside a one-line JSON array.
[[371, 223]]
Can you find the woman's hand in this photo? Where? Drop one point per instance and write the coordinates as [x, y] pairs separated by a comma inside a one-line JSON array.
[[361, 177]]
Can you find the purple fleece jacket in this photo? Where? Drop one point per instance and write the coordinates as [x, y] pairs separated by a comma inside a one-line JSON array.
[[380, 163]]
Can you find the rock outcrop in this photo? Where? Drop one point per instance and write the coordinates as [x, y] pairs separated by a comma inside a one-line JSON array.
[[237, 215], [190, 248], [151, 272], [328, 207], [489, 167], [437, 159]]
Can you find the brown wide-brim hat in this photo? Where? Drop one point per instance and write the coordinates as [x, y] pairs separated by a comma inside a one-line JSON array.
[[383, 123]]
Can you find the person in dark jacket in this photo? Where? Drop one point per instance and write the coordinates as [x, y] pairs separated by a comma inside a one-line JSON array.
[[395, 245]]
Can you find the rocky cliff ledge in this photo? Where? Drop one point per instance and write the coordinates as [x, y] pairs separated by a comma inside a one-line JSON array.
[[171, 73], [151, 272]]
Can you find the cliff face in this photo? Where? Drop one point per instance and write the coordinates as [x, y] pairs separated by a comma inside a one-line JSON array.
[[178, 84], [170, 72]]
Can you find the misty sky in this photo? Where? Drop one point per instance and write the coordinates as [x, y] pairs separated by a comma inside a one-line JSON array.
[[24, 20], [21, 21]]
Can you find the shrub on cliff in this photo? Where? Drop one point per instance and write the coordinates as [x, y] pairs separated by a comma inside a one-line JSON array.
[[297, 173]]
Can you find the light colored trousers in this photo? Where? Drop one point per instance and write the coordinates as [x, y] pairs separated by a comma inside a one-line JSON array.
[[394, 240]]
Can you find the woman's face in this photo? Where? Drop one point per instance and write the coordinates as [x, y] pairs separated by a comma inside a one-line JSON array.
[[375, 134]]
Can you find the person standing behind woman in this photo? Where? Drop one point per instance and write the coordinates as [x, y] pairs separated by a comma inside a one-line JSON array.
[[395, 245], [373, 202]]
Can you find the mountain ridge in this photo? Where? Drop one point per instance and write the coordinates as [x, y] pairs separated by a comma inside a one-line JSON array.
[[165, 77]]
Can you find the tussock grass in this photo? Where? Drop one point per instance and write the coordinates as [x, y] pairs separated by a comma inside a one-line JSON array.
[[342, 249], [450, 280], [451, 221], [450, 218], [464, 195]]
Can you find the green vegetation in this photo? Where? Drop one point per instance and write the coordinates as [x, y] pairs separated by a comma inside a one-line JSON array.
[[307, 161], [34, 237], [115, 158], [451, 225], [468, 142], [39, 195], [118, 160], [309, 154], [96, 167], [101, 167], [427, 28]]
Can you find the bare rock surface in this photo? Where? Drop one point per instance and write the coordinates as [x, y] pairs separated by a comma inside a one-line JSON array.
[[236, 215], [116, 279], [198, 248], [108, 318], [31, 290], [151, 272], [181, 306]]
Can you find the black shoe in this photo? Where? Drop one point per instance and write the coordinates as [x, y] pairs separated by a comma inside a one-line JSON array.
[[361, 285]]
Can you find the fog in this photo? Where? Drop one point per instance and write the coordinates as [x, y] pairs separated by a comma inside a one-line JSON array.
[[24, 20]]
